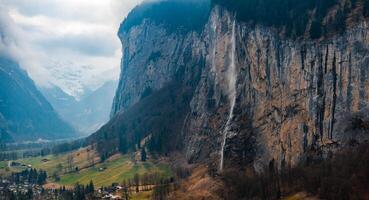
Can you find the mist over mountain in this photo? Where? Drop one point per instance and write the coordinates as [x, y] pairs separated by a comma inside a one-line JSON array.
[[216, 99], [25, 114], [88, 113]]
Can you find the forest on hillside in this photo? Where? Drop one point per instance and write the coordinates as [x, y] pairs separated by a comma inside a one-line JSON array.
[[296, 18]]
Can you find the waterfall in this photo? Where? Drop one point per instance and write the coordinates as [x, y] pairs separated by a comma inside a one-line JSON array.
[[214, 21], [231, 76], [184, 123]]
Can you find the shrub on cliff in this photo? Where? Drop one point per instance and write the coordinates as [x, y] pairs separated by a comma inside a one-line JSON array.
[[345, 176], [295, 18]]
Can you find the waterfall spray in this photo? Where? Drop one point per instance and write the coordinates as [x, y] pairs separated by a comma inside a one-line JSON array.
[[214, 26], [184, 124], [231, 76]]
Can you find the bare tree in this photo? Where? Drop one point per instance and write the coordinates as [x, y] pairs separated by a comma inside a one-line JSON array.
[[70, 159], [90, 158], [136, 180], [133, 157], [126, 195]]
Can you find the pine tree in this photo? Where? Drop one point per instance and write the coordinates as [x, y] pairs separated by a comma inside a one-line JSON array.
[[126, 195], [29, 194], [143, 154], [42, 176], [136, 180], [366, 8], [316, 29], [91, 187], [122, 144]]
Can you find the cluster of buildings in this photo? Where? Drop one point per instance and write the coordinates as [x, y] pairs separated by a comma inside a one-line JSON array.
[[111, 192], [24, 188]]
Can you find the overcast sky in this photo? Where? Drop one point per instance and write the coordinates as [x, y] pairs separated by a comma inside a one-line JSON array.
[[69, 43]]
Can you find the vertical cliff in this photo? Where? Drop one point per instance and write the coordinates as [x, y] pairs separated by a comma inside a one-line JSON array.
[[163, 55], [293, 98], [256, 95], [159, 40]]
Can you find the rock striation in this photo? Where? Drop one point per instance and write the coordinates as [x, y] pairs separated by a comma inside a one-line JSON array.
[[257, 96]]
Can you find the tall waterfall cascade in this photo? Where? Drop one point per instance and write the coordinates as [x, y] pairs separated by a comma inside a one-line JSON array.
[[231, 76]]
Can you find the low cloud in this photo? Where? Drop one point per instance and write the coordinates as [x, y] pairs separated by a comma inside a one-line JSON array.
[[15, 44], [64, 36], [88, 44]]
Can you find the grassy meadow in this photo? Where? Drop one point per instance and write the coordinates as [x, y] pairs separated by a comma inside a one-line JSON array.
[[114, 170]]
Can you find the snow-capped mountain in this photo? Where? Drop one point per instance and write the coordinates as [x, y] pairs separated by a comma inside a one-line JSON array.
[[24, 113], [89, 112]]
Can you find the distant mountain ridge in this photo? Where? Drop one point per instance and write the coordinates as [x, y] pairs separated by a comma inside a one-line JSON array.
[[89, 113], [25, 114]]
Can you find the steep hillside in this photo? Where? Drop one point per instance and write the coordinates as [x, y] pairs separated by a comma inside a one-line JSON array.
[[145, 66], [25, 115], [257, 93], [89, 113], [59, 100]]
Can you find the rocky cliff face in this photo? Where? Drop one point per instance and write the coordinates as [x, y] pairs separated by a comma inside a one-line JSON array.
[[160, 69], [151, 59], [260, 96], [292, 98]]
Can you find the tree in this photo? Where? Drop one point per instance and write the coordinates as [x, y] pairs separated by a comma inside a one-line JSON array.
[[316, 29], [143, 154], [59, 167], [70, 159], [339, 22], [122, 144], [90, 157], [79, 192], [90, 187], [42, 176], [56, 176], [29, 193], [160, 192], [366, 8], [133, 157], [126, 195], [289, 16], [136, 180]]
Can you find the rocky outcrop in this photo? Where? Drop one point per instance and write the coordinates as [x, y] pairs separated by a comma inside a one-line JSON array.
[[161, 42], [151, 59], [160, 69], [292, 97], [261, 96]]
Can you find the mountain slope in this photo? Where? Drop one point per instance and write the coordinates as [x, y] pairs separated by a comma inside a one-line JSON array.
[[25, 114], [177, 19], [154, 92], [258, 95], [89, 113]]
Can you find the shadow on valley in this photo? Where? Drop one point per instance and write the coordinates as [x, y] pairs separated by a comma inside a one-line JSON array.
[[345, 176], [156, 118]]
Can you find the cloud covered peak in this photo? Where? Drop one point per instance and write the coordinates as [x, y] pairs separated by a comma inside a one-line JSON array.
[[56, 38]]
